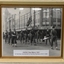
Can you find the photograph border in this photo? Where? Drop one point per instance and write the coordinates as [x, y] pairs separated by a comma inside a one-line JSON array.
[[32, 5]]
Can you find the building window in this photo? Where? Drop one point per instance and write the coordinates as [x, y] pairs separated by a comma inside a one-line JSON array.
[[46, 13], [46, 16], [57, 16]]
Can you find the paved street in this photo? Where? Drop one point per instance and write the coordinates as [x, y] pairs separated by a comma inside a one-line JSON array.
[[8, 49]]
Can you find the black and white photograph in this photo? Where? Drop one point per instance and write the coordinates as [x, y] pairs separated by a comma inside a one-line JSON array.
[[31, 31]]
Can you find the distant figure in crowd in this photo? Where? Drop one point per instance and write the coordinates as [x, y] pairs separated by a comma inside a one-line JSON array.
[[10, 37], [30, 36], [53, 37], [38, 36], [14, 38], [6, 36], [26, 36], [47, 35], [33, 37], [21, 37], [42, 35]]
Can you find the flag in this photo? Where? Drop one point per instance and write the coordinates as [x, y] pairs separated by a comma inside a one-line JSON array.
[[29, 21]]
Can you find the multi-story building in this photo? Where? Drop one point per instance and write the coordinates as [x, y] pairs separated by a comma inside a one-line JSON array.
[[42, 19]]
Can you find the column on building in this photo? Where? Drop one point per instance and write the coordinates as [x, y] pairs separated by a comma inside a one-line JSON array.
[[48, 18], [41, 17], [32, 18], [11, 22], [5, 20], [51, 16]]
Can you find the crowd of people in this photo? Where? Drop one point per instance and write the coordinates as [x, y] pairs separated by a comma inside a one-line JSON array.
[[32, 36]]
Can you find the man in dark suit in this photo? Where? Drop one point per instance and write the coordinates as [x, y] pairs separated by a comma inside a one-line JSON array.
[[54, 37], [33, 37], [14, 38]]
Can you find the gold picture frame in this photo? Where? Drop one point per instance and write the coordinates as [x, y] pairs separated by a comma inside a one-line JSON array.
[[32, 4]]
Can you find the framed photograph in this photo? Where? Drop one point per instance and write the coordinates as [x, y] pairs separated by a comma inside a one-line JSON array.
[[32, 31]]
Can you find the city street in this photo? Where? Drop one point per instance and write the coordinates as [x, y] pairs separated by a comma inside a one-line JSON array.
[[7, 49], [32, 23]]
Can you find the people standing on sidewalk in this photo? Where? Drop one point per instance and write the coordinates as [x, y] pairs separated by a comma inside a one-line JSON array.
[[6, 36], [14, 38], [10, 36], [54, 38]]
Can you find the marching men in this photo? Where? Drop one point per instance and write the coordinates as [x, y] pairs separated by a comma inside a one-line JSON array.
[[14, 38], [33, 36]]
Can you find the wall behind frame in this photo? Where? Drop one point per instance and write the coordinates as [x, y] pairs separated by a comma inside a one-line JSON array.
[[31, 63], [37, 59]]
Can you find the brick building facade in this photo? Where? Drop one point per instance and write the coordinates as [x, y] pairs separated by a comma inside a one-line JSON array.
[[17, 19]]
